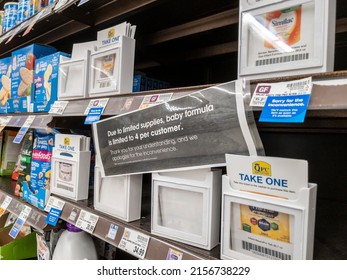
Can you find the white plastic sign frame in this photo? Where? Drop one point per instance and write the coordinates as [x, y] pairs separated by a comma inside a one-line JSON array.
[[317, 55]]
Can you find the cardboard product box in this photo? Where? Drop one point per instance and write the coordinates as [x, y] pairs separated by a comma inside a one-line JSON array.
[[9, 153], [5, 83], [37, 190], [46, 79], [24, 167], [17, 249], [139, 83], [22, 76]]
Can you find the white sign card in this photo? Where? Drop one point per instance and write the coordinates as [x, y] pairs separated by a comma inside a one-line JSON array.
[[134, 243], [279, 177], [87, 221]]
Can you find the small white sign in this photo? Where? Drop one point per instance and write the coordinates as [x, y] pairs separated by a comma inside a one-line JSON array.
[[87, 221], [155, 99], [4, 121], [55, 203], [263, 90], [279, 177], [5, 204], [112, 232], [134, 243], [96, 103], [58, 107]]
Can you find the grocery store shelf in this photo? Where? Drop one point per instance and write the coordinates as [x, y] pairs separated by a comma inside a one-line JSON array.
[[157, 247], [36, 219]]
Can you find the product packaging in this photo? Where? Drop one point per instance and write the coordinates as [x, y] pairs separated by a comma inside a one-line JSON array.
[[22, 77], [46, 79], [9, 154], [23, 10], [5, 83], [24, 167], [37, 190], [10, 15]]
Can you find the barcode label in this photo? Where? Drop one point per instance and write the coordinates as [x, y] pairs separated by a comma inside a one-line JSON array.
[[67, 188], [298, 85], [282, 59], [105, 84], [265, 251]]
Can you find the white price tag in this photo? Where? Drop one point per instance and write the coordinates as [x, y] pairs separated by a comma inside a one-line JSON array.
[[96, 103], [4, 121], [54, 202], [25, 213], [58, 107], [155, 99], [134, 243], [23, 216], [87, 221], [5, 204], [112, 232]]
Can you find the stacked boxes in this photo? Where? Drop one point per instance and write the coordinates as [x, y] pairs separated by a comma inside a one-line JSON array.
[[22, 77], [5, 83], [46, 81]]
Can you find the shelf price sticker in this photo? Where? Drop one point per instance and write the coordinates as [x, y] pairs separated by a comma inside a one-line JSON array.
[[94, 110], [112, 232], [134, 243], [23, 130], [58, 107], [4, 122], [155, 99], [54, 208], [174, 255], [23, 216], [87, 221], [5, 204]]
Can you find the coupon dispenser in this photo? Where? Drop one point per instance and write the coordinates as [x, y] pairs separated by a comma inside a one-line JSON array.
[[70, 166], [118, 196], [186, 206]]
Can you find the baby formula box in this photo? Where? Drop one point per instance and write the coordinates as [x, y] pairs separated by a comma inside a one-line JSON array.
[[23, 10], [35, 7], [1, 21], [10, 11]]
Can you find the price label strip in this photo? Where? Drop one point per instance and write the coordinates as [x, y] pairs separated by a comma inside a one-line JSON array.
[[58, 107], [23, 129], [134, 243], [87, 221], [5, 204], [4, 122], [54, 208], [94, 110], [23, 216]]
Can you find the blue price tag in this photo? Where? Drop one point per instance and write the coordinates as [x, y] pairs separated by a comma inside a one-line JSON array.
[[16, 228], [285, 109], [93, 115], [53, 216]]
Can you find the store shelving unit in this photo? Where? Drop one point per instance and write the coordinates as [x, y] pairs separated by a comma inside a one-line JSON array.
[[189, 45]]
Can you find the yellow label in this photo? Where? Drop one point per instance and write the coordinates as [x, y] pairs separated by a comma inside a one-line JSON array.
[[261, 168], [266, 223], [67, 141], [111, 33]]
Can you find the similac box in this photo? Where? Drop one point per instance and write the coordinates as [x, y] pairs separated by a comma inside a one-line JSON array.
[[22, 76], [36, 191], [46, 81], [5, 83]]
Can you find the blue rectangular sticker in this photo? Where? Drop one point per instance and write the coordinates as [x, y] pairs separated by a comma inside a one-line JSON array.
[[53, 216], [285, 109], [93, 115], [16, 228]]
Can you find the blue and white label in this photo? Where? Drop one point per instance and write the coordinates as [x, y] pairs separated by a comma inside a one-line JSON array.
[[285, 109], [112, 232], [53, 216], [23, 216], [94, 115], [23, 130]]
